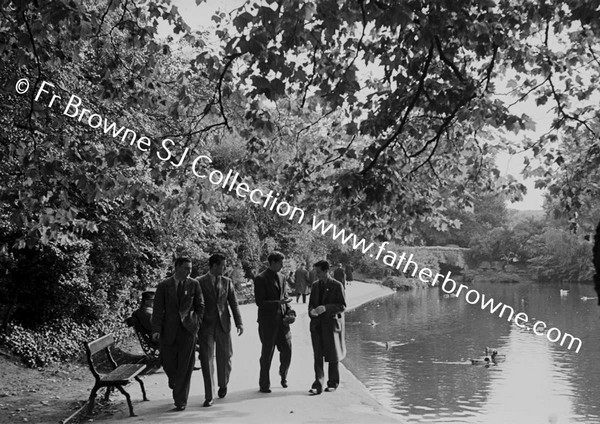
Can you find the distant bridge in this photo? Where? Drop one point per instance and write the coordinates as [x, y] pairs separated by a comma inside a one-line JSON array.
[[448, 255]]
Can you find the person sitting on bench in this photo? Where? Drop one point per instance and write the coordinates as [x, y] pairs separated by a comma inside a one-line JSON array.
[[141, 318]]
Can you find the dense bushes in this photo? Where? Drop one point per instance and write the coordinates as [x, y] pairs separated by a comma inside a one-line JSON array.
[[56, 342], [548, 252], [562, 256], [48, 283]]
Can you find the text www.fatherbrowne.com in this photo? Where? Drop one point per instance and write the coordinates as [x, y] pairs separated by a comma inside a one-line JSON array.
[[448, 285]]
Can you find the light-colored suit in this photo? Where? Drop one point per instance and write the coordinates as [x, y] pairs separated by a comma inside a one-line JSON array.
[[215, 331], [177, 321]]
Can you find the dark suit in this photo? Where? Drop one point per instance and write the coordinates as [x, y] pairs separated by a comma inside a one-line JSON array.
[[327, 330], [340, 275], [216, 330], [177, 320], [270, 286]]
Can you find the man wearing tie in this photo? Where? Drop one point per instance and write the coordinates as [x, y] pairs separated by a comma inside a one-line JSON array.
[[215, 331], [326, 308], [270, 297], [176, 317]]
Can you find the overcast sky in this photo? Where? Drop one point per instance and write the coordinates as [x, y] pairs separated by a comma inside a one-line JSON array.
[[198, 17]]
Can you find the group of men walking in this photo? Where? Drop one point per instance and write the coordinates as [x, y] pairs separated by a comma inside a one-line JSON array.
[[186, 309]]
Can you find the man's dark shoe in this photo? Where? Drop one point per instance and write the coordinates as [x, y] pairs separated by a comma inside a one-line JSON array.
[[264, 390], [180, 407], [207, 403], [283, 380], [222, 392], [331, 389], [314, 391]]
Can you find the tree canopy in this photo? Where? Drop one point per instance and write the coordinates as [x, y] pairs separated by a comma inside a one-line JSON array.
[[382, 116]]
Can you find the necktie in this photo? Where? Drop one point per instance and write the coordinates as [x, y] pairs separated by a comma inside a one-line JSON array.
[[180, 291]]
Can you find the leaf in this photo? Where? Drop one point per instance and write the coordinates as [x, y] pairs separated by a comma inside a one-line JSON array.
[[242, 20]]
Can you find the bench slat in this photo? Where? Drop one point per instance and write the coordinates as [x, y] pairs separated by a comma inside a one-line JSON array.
[[101, 343], [124, 372]]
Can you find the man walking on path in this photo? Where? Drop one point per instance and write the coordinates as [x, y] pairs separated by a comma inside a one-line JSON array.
[[326, 310], [349, 273], [219, 296], [302, 283], [176, 317], [270, 297], [340, 275]]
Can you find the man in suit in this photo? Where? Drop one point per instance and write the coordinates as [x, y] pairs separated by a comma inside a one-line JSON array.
[[215, 331], [340, 275], [176, 317], [274, 331], [349, 274], [326, 308], [302, 283]]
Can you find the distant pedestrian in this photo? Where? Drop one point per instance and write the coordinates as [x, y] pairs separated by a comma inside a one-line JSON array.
[[340, 275], [291, 285], [301, 283], [215, 331], [326, 310], [273, 329], [176, 317], [349, 274]]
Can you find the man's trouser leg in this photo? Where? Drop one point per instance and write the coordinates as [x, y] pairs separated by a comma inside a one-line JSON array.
[[284, 345], [207, 354], [185, 343], [224, 354], [318, 360], [267, 338], [333, 374]]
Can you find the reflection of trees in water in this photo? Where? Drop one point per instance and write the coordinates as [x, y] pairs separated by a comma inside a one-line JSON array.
[[450, 330]]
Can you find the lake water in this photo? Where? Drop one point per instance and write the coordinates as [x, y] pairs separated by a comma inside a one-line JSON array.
[[431, 380]]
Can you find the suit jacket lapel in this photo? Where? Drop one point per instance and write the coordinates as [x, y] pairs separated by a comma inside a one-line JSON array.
[[172, 291]]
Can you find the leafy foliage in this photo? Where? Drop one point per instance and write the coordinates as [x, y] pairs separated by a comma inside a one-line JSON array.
[[383, 117]]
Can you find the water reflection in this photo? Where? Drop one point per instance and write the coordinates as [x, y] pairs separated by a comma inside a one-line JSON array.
[[426, 376]]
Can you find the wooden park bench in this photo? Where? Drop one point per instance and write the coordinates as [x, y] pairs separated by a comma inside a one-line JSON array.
[[116, 376]]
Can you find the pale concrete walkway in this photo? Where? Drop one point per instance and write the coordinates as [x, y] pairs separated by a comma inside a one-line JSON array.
[[351, 403]]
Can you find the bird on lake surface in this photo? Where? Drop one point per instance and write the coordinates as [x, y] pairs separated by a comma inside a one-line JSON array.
[[388, 345], [584, 298], [564, 292], [488, 360], [493, 352]]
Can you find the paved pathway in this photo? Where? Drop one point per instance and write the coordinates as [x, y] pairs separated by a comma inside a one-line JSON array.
[[351, 403]]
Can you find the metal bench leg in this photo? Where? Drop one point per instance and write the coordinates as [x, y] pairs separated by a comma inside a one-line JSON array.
[[109, 389], [92, 399], [122, 390], [139, 380]]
